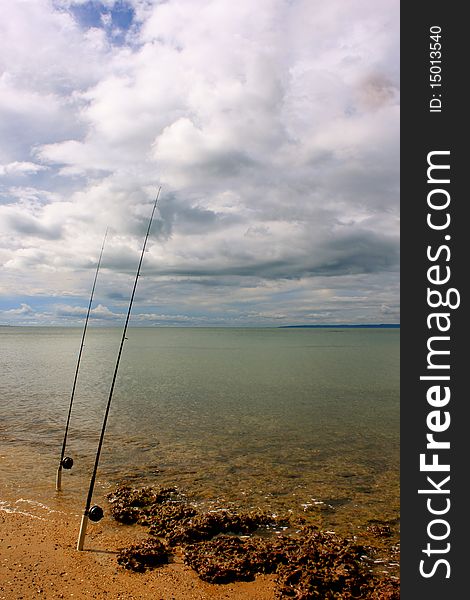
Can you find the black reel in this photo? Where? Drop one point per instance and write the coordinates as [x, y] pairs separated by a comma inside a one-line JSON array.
[[67, 462], [95, 513]]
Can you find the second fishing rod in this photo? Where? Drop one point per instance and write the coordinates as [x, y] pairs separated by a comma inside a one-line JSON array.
[[95, 513], [66, 462]]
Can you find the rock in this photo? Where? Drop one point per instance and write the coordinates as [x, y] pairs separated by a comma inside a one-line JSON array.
[[147, 555], [130, 505]]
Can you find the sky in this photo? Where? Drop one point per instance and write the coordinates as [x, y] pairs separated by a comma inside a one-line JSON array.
[[272, 127]]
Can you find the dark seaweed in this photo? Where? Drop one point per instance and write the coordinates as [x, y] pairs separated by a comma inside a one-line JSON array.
[[310, 564], [130, 505], [147, 555]]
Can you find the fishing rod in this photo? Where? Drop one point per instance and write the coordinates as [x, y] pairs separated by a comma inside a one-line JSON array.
[[95, 513], [66, 462]]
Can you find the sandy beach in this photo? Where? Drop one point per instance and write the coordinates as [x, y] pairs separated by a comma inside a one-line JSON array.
[[38, 559]]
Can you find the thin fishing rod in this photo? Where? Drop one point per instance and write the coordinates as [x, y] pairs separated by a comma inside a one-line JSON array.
[[67, 462], [95, 513]]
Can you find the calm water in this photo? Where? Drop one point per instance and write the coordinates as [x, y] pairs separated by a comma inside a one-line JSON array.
[[283, 419]]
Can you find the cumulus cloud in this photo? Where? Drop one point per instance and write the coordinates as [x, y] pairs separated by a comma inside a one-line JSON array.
[[98, 312], [20, 168], [272, 126], [23, 309]]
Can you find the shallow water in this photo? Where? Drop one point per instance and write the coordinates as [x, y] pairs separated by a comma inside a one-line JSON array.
[[281, 419]]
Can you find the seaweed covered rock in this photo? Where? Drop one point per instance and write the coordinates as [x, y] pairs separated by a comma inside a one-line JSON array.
[[167, 517], [207, 525], [168, 514], [316, 565], [310, 564], [325, 566], [228, 558], [147, 555], [220, 561], [328, 567], [130, 505]]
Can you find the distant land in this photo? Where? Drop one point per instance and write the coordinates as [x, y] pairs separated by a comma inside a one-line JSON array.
[[363, 326]]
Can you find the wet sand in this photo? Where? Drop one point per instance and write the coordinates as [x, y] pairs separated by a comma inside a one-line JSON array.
[[38, 559]]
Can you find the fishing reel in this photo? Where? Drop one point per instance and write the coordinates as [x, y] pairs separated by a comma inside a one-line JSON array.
[[95, 513], [67, 462]]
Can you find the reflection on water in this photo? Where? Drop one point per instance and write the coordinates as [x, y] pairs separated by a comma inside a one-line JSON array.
[[301, 419]]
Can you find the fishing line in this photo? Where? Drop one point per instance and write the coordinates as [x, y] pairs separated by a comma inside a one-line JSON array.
[[66, 462], [95, 513]]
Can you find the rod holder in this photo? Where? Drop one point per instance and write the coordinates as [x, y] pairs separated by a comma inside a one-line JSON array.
[[82, 534], [58, 480]]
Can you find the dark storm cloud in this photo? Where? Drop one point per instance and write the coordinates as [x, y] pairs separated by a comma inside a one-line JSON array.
[[359, 252]]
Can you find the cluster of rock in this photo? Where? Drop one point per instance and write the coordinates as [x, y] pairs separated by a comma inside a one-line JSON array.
[[225, 546]]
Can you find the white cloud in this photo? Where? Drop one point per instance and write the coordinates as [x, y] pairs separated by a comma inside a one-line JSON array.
[[24, 309], [273, 127], [20, 168]]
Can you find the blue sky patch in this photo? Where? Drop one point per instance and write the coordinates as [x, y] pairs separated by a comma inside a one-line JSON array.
[[96, 14]]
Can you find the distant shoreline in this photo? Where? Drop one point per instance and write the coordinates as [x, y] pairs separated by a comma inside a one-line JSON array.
[[369, 326], [134, 326]]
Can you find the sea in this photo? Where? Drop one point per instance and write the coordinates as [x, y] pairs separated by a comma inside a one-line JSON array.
[[287, 420]]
